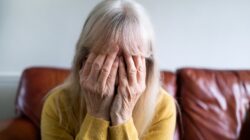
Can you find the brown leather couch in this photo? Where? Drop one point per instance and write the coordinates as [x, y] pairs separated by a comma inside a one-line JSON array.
[[214, 104]]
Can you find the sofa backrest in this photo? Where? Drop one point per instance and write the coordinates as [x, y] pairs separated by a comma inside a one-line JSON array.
[[168, 82], [214, 103], [34, 84]]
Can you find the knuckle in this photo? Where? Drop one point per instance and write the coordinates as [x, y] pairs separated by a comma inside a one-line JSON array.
[[140, 69], [104, 95], [109, 77], [96, 66], [115, 64], [132, 71], [105, 70]]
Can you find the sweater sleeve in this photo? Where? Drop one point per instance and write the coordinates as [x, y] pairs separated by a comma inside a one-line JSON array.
[[93, 129], [51, 129], [162, 126], [125, 131]]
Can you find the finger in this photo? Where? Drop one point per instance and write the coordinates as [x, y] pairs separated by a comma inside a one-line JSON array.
[[136, 61], [107, 67], [96, 67], [112, 76], [122, 73], [131, 69], [143, 71], [88, 64], [139, 67], [144, 63]]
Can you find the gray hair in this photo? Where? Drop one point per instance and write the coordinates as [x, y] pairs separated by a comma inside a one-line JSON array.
[[122, 22]]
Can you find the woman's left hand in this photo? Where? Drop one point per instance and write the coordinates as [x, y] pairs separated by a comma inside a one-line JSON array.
[[131, 84]]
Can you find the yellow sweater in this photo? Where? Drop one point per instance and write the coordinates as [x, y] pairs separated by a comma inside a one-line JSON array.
[[162, 126]]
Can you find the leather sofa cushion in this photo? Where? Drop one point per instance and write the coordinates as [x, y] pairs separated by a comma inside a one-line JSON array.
[[245, 135], [214, 102], [34, 85]]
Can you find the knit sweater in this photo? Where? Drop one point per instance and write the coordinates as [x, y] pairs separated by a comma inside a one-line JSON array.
[[162, 126]]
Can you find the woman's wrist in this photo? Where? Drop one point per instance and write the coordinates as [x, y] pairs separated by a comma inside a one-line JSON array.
[[117, 119], [100, 116]]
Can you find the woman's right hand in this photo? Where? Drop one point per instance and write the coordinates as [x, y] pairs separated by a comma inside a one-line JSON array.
[[97, 80]]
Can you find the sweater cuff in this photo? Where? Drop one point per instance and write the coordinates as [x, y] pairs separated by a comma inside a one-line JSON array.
[[126, 130], [93, 128]]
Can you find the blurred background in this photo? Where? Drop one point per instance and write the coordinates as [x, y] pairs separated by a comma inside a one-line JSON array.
[[195, 33]]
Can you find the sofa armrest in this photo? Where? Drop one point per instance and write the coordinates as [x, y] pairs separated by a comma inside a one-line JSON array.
[[245, 135], [19, 128]]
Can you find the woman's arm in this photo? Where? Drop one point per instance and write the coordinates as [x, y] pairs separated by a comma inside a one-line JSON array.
[[132, 83], [93, 129], [97, 80], [51, 129], [163, 124]]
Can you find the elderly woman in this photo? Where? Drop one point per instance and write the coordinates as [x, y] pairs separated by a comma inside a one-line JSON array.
[[113, 91]]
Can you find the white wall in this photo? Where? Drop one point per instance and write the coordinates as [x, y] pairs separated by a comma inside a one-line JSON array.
[[214, 34]]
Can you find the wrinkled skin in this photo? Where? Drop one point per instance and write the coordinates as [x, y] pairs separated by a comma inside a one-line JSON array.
[[98, 78]]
